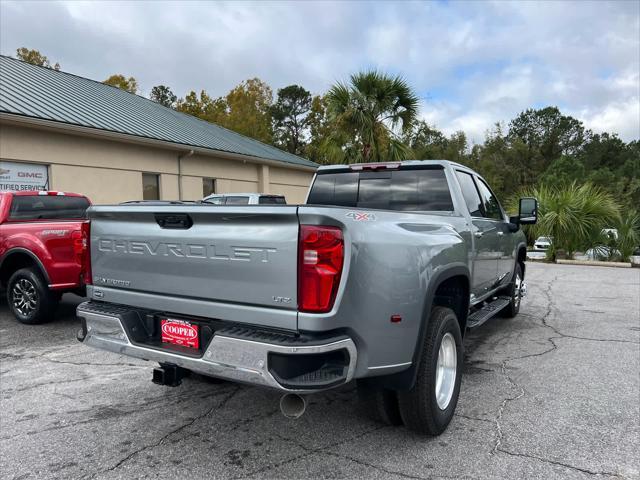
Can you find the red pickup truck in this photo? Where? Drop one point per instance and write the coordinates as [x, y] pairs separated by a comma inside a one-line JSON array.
[[44, 250]]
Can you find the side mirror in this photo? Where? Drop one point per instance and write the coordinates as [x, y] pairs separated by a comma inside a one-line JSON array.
[[528, 212]]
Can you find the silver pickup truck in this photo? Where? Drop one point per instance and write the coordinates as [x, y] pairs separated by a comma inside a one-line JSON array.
[[375, 279]]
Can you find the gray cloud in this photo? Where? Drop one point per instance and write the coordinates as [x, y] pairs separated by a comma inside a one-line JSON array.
[[474, 63]]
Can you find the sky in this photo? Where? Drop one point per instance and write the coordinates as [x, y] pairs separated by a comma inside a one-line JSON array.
[[472, 63]]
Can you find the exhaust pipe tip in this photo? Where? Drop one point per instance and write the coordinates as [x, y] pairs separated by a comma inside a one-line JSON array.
[[292, 405]]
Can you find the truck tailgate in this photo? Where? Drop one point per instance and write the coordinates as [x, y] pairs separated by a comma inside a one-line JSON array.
[[232, 255]]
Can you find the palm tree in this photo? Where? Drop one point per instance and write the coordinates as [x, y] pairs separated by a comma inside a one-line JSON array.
[[573, 215], [628, 234], [368, 114]]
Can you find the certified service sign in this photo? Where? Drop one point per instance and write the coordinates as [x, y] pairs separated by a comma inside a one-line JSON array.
[[23, 176]]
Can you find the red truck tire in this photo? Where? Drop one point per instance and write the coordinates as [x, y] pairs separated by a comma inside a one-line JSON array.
[[29, 297]]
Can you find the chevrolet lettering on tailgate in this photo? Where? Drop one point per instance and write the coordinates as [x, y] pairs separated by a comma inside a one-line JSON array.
[[186, 250]]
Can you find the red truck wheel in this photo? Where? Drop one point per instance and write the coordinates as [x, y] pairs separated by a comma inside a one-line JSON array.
[[29, 298]]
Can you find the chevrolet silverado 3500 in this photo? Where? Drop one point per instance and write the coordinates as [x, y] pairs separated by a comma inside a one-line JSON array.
[[375, 279]]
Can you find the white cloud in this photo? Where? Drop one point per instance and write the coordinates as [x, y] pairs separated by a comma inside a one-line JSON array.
[[619, 117]]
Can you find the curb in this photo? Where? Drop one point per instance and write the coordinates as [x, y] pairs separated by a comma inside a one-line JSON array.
[[595, 263]]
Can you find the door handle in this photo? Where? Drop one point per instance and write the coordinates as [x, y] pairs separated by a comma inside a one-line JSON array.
[[174, 221], [478, 234]]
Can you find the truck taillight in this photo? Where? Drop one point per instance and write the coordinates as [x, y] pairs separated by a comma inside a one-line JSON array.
[[82, 251], [320, 261]]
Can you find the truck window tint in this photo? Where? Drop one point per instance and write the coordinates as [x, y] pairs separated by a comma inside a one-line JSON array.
[[237, 201], [470, 193], [491, 206], [47, 207], [404, 190], [271, 201], [335, 189]]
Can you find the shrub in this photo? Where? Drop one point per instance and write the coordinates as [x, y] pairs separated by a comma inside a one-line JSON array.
[[573, 215]]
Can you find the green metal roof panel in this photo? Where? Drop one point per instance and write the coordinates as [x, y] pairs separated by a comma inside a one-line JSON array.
[[48, 94]]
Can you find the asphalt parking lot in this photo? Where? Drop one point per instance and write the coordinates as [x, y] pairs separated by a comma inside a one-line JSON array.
[[553, 393]]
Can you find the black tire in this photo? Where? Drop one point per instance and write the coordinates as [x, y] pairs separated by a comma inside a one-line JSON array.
[[513, 292], [419, 407], [379, 404], [29, 298]]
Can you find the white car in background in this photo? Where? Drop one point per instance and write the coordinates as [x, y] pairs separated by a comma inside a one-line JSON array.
[[542, 244], [245, 199]]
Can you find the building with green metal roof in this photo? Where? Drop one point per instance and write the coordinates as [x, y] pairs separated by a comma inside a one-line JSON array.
[[75, 134]]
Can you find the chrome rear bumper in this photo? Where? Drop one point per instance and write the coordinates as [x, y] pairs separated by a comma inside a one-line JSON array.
[[242, 360]]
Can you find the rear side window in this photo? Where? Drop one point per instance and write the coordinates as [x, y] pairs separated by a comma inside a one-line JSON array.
[[237, 201], [37, 207], [404, 190], [215, 200], [272, 201], [470, 193]]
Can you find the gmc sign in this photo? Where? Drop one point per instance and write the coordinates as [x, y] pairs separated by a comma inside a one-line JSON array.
[[23, 176]]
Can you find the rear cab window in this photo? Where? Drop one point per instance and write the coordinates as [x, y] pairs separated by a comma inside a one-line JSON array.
[[47, 207], [236, 201], [424, 189], [271, 200], [214, 200]]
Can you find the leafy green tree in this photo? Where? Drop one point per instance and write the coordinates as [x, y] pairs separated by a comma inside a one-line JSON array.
[[290, 113], [191, 104], [492, 159], [370, 113], [246, 109], [628, 186], [34, 57], [614, 165], [547, 134], [120, 81], [163, 95], [426, 142], [456, 149], [249, 110], [204, 106], [628, 234], [604, 150], [320, 129], [563, 171]]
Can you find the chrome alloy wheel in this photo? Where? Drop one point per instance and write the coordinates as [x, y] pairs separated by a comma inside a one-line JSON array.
[[518, 291], [24, 297], [446, 371]]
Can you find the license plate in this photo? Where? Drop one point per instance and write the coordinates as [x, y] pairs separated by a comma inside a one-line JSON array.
[[179, 332]]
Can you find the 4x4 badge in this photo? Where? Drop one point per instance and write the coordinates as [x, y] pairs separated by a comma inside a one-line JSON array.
[[361, 216]]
